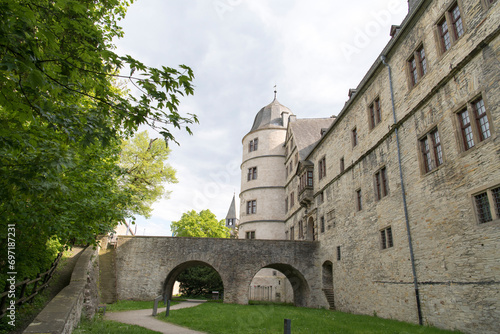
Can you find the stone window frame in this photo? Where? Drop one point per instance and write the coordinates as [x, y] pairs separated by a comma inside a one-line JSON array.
[[431, 153], [386, 238], [487, 4], [322, 168], [475, 126], [381, 183], [253, 145], [250, 234], [492, 193], [354, 137], [322, 224], [421, 65], [452, 31], [358, 196], [252, 173], [321, 198], [251, 207], [374, 113]]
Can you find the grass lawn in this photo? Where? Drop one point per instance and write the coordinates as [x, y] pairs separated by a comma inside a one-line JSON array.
[[100, 326], [231, 318]]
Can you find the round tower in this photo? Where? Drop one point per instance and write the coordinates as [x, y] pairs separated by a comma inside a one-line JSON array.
[[262, 194]]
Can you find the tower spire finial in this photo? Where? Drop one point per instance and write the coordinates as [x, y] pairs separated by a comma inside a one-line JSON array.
[[275, 92]]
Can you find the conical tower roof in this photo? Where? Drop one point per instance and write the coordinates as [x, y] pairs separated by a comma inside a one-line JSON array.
[[232, 209], [270, 116]]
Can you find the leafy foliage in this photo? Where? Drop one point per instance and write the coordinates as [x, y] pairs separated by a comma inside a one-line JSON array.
[[200, 281], [203, 224], [144, 171], [63, 121]]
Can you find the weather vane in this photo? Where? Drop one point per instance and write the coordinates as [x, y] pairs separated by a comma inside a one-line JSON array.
[[275, 91]]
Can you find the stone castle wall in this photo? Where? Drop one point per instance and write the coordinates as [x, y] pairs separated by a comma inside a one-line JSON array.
[[456, 258]]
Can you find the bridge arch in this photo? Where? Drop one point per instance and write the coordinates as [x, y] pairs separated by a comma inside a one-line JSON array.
[[168, 285], [300, 287]]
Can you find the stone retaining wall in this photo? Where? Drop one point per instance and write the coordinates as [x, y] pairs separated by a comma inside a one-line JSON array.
[[64, 311]]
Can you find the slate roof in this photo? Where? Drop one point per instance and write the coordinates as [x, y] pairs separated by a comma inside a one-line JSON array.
[[232, 209], [270, 116], [307, 132]]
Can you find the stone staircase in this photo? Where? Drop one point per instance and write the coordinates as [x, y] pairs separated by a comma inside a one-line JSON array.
[[330, 297], [107, 275]]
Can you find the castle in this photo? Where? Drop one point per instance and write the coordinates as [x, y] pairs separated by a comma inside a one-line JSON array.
[[402, 188]]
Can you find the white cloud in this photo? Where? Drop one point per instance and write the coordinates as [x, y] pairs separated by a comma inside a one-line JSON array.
[[239, 49]]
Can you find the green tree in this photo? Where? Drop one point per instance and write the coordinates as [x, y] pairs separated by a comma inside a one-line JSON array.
[[145, 172], [62, 122], [200, 280], [203, 224]]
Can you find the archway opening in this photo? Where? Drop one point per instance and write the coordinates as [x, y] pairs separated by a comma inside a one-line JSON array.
[[310, 229], [279, 283], [327, 278], [194, 279]]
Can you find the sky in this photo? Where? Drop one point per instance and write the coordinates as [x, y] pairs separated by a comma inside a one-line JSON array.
[[312, 50]]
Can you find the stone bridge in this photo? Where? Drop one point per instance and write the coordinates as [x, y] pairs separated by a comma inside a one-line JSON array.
[[148, 266]]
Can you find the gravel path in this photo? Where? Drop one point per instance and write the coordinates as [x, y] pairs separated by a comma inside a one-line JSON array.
[[145, 319]]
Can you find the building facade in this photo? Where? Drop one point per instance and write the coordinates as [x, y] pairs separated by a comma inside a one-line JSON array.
[[402, 188]]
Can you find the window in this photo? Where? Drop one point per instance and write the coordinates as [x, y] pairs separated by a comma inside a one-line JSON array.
[[253, 145], [292, 199], [309, 178], [487, 205], [450, 27], [292, 233], [359, 202], [354, 137], [474, 125], [338, 253], [432, 153], [330, 217], [444, 35], [481, 119], [381, 184], [301, 230], [322, 168], [250, 235], [322, 224], [342, 166], [375, 114], [386, 238], [230, 221], [286, 204], [252, 207], [321, 197], [252, 173], [456, 18], [417, 65]]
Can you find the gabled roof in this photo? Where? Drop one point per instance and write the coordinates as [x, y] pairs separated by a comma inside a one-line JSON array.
[[307, 132]]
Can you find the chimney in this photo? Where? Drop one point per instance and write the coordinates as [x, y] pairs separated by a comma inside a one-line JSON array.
[[394, 30], [292, 118], [351, 93]]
